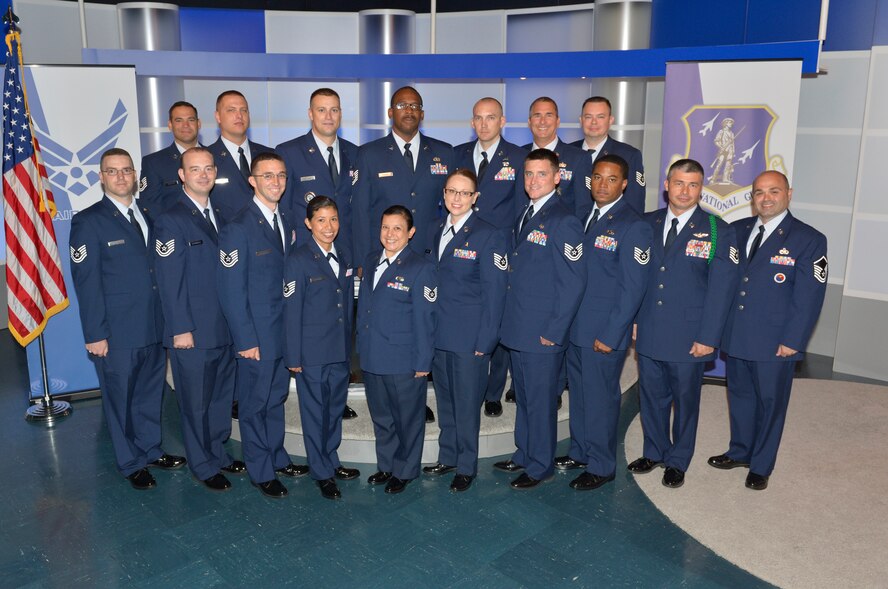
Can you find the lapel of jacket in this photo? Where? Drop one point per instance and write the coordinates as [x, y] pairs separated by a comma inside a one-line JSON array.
[[230, 167], [774, 243], [657, 249], [198, 219], [696, 224]]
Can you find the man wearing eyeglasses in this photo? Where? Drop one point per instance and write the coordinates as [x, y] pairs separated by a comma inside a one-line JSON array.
[[120, 313], [252, 250], [234, 153], [159, 185], [403, 168]]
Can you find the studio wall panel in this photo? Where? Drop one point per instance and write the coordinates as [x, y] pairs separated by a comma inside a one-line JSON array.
[[860, 343], [872, 197], [823, 339], [825, 169], [835, 99], [311, 32]]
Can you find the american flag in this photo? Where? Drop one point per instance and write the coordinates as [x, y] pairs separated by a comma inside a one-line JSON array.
[[35, 285]]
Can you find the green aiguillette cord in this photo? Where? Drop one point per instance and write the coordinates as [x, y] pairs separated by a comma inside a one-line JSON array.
[[713, 231]]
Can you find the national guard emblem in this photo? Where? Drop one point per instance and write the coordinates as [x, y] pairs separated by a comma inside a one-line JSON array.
[[732, 142], [573, 253], [501, 261], [430, 294], [228, 260], [821, 269], [79, 254], [642, 256], [289, 288], [164, 249]]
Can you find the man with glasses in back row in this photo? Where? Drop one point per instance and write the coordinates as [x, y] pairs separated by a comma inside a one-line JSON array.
[[403, 168]]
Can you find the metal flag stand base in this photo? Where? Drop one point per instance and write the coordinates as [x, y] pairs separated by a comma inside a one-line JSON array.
[[47, 410]]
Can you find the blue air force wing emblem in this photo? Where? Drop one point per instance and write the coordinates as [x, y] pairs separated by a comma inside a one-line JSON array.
[[642, 256], [79, 254], [821, 269], [573, 253], [164, 249], [228, 260]]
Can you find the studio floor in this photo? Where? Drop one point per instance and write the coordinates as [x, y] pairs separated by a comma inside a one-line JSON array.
[[68, 519]]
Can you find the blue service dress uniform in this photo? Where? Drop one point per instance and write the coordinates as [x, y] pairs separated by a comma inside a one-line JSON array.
[[546, 280], [113, 273], [501, 198], [251, 291], [308, 175], [635, 189], [689, 291], [232, 191], [616, 250], [186, 254], [318, 314], [159, 184], [778, 301], [395, 332], [384, 179], [575, 168], [472, 280]]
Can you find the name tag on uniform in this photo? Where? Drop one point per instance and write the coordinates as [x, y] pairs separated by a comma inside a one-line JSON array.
[[465, 254], [698, 249], [306, 178], [263, 252], [385, 174], [606, 242], [221, 180], [314, 279], [116, 242], [198, 242]]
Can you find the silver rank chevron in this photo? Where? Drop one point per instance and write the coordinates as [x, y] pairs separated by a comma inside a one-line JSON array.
[[821, 269], [734, 254], [430, 294], [642, 256], [573, 253], [501, 261], [79, 254], [228, 260], [164, 249], [289, 288]]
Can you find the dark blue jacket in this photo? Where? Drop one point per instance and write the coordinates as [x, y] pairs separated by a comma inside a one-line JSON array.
[[501, 189], [159, 184], [575, 165], [232, 191], [635, 191]]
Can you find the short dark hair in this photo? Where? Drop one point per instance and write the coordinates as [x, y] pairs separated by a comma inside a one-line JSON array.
[[323, 92], [685, 165], [399, 210], [543, 154], [395, 93], [612, 158], [112, 152], [184, 103], [228, 93], [265, 156], [465, 173], [317, 203], [543, 99], [195, 149], [597, 99]]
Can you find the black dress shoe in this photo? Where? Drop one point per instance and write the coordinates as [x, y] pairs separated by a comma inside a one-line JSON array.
[[217, 482], [588, 481], [643, 465], [430, 415], [273, 488], [438, 469], [507, 466], [292, 470], [461, 482], [756, 482], [493, 408], [673, 478], [567, 463], [329, 490], [236, 467], [169, 462], [724, 462], [142, 480], [558, 403], [396, 485], [525, 481], [510, 396], [379, 478], [346, 474], [348, 413], [234, 410]]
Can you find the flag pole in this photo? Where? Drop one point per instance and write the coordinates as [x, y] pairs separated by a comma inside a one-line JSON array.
[[46, 410]]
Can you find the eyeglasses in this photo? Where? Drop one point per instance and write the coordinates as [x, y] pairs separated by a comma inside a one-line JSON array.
[[460, 193], [408, 106], [114, 171], [268, 176]]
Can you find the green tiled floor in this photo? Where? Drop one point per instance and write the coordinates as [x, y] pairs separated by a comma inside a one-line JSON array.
[[68, 519]]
